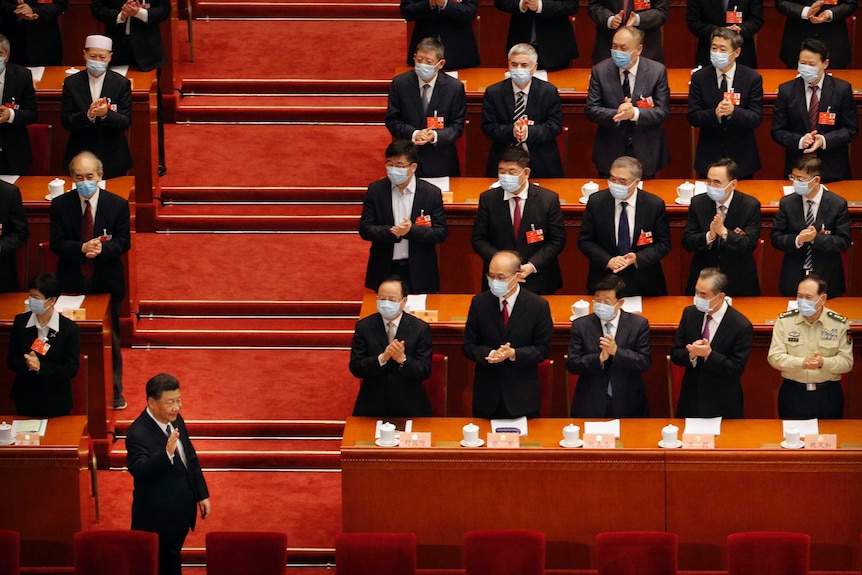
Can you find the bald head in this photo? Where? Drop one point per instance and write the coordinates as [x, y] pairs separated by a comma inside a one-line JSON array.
[[506, 262]]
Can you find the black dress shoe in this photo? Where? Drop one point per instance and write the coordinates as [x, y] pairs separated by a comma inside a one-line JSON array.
[[162, 169]]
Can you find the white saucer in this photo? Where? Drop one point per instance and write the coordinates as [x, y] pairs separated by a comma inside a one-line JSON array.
[[50, 198], [480, 443], [12, 442], [379, 444], [664, 445], [582, 200], [578, 443], [786, 445], [681, 201]]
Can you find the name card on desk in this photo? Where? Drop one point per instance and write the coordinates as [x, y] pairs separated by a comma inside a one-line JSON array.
[[415, 439], [79, 314], [448, 197], [698, 441], [599, 441], [426, 315], [504, 440], [823, 441]]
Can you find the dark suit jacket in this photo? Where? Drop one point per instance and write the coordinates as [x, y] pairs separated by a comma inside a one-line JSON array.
[[732, 137], [623, 369], [105, 137], [142, 48], [833, 33], [833, 237], [704, 16], [647, 134], [493, 231], [49, 392], [515, 383], [733, 256], [13, 235], [404, 116], [166, 493], [651, 22], [14, 139], [712, 387], [598, 242], [790, 122], [34, 42], [112, 216], [554, 35], [391, 390], [374, 226], [452, 25], [544, 109]]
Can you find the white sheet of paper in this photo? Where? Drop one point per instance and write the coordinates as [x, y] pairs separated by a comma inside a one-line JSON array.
[[38, 72], [703, 426], [540, 74], [792, 304], [121, 70], [787, 190], [604, 427], [30, 426], [804, 426], [699, 188], [416, 302], [65, 302], [9, 179], [452, 73], [520, 423], [442, 183], [633, 304]]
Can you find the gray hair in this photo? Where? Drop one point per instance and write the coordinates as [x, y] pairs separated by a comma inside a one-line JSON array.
[[512, 257], [719, 280], [4, 43], [629, 163], [524, 50], [86, 156], [636, 33], [734, 38], [432, 44]]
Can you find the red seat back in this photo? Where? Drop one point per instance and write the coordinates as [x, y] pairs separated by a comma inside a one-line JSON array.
[[375, 554], [40, 146], [768, 553], [546, 386], [47, 258], [571, 387], [637, 553], [675, 373], [436, 384], [116, 552], [504, 552], [10, 552], [231, 552]]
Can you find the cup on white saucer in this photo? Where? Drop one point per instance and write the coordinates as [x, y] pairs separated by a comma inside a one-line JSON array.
[[580, 308], [669, 436], [471, 434], [792, 438], [587, 190], [571, 436], [387, 434], [685, 191], [56, 187], [5, 434]]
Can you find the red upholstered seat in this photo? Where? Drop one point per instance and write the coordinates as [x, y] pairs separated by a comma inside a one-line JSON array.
[[636, 553], [40, 147], [504, 552], [10, 552], [546, 387], [435, 385], [239, 552], [116, 552], [375, 554], [768, 553]]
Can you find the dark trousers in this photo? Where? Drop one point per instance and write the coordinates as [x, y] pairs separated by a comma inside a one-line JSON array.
[[795, 402], [116, 347]]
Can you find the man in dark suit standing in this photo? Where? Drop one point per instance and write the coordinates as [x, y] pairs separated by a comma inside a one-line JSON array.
[[507, 335], [723, 231], [135, 28], [625, 231], [90, 233], [609, 349], [403, 218], [526, 112], [725, 100], [816, 114], [169, 485], [545, 25], [745, 17], [17, 109], [812, 228], [630, 100], [523, 217], [648, 16], [14, 232], [712, 342], [450, 23], [391, 353], [96, 109], [821, 20], [33, 29], [428, 108]]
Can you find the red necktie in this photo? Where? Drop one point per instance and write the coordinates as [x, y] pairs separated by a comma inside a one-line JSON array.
[[516, 219], [813, 109], [87, 235], [505, 313]]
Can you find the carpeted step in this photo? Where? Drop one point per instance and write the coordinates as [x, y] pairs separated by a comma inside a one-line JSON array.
[[294, 109], [262, 429], [263, 223], [269, 194], [249, 460], [213, 308], [199, 86], [291, 9]]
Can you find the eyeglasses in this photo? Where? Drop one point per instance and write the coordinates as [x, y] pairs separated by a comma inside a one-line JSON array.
[[605, 301], [394, 299], [499, 277], [801, 179]]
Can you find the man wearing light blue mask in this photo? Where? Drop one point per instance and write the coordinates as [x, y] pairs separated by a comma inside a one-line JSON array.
[[812, 348], [391, 354], [647, 16], [429, 108], [96, 109], [629, 99], [723, 231], [812, 228], [816, 114], [17, 110], [403, 219], [524, 111], [725, 101], [609, 350]]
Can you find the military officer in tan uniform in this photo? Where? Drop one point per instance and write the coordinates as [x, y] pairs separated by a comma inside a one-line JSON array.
[[811, 346]]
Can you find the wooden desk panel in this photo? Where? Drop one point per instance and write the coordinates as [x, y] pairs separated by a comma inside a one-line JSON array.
[[95, 343], [46, 491], [747, 482]]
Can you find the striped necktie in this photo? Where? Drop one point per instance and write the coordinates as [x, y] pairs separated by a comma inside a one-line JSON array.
[[808, 264]]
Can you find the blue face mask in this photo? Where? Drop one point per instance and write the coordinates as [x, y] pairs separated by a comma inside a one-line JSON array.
[[618, 191], [498, 287], [716, 194], [802, 188], [521, 76], [37, 306], [2, 64], [388, 309], [702, 304], [806, 307], [96, 68], [397, 175], [87, 188], [809, 73], [720, 60], [604, 311], [425, 71], [621, 58], [509, 182]]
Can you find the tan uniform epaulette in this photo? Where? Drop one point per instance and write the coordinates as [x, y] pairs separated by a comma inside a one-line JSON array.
[[836, 316], [789, 313]]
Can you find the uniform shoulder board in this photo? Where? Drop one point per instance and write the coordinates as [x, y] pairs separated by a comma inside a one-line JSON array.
[[836, 316], [789, 313]]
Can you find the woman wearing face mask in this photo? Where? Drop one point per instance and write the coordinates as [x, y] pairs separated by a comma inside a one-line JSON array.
[[43, 352]]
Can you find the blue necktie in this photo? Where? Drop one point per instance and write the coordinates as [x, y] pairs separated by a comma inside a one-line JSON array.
[[624, 236]]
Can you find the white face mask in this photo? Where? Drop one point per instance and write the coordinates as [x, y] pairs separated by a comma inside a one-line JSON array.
[[703, 305]]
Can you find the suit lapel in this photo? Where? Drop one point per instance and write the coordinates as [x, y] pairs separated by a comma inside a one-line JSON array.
[[509, 100], [641, 81], [438, 93], [826, 95], [622, 330], [800, 88], [416, 96], [505, 215], [531, 214], [378, 330]]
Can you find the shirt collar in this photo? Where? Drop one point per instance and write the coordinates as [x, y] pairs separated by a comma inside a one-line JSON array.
[[631, 200], [432, 82], [816, 198], [396, 322], [633, 71], [94, 199], [525, 89], [159, 423], [730, 73], [53, 323], [523, 195], [719, 313], [725, 203], [511, 299], [614, 322], [409, 189]]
